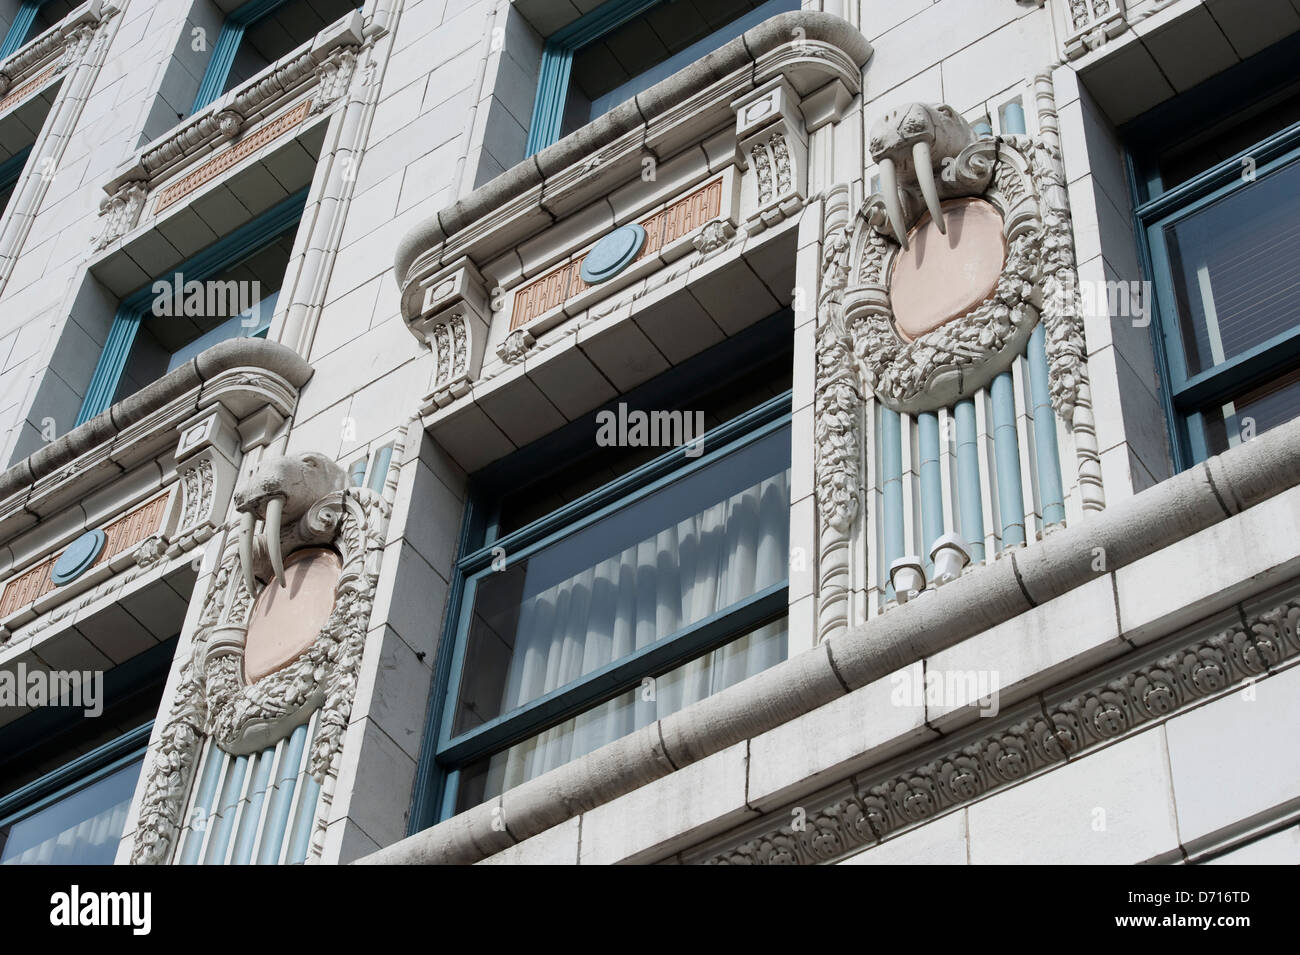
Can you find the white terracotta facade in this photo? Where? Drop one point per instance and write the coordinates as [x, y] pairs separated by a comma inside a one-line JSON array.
[[1142, 631]]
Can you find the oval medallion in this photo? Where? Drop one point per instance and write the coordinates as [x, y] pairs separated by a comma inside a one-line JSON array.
[[76, 560], [612, 254], [943, 277], [285, 621]]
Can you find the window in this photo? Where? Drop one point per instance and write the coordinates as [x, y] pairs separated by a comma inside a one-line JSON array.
[[33, 18], [227, 291], [10, 170], [259, 33], [626, 46], [60, 811], [620, 584], [1218, 210]]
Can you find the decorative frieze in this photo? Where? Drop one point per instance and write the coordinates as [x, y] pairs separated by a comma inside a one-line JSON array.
[[21, 92], [872, 808], [120, 534], [40, 60], [678, 220], [214, 167]]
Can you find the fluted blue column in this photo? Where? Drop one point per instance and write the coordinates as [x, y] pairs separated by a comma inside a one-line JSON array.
[[927, 430], [1006, 449], [968, 479], [1046, 452], [891, 485]]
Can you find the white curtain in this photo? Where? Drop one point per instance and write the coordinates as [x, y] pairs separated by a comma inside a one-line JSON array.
[[679, 576], [75, 831]]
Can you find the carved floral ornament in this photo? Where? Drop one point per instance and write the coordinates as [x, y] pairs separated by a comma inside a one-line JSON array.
[[873, 807], [928, 157], [932, 164], [302, 503]]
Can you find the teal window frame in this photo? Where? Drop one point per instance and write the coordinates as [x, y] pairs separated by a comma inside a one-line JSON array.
[[557, 64], [227, 45], [149, 667], [126, 323], [74, 776], [443, 755], [20, 28], [1156, 206]]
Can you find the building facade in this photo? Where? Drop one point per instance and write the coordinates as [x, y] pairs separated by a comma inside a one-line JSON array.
[[686, 431]]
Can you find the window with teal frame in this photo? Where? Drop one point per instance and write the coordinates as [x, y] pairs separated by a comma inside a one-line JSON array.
[[234, 284], [63, 809], [257, 34], [1216, 177], [33, 18], [622, 581], [622, 47], [10, 171]]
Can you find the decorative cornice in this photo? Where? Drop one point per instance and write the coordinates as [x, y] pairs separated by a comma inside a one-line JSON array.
[[877, 807], [36, 62], [809, 50], [243, 374], [260, 110]]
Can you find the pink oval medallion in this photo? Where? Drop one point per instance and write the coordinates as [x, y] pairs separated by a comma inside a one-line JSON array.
[[285, 621], [942, 277]]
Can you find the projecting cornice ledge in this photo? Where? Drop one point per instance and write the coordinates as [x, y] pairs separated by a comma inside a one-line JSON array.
[[244, 375], [810, 50], [1161, 516]]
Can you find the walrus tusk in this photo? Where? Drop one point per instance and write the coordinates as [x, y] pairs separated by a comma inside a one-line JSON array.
[[925, 177], [274, 512], [247, 522], [893, 205]]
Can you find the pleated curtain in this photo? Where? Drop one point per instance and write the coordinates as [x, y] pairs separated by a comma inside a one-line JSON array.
[[679, 576]]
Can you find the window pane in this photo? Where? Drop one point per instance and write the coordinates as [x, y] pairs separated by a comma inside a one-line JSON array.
[[581, 473], [1227, 138], [1252, 411], [653, 46], [50, 13], [82, 828], [693, 548], [235, 302], [679, 688], [1236, 269], [281, 32]]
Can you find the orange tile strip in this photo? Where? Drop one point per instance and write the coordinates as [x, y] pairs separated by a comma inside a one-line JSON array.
[[122, 534], [22, 92], [224, 160], [663, 228]]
